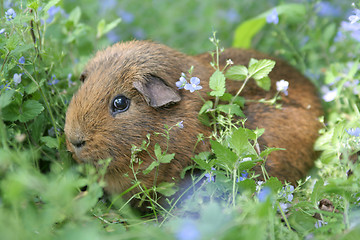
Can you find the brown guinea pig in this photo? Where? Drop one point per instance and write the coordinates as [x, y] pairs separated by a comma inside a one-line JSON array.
[[129, 90]]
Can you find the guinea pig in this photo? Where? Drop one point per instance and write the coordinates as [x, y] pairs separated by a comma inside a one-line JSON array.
[[128, 90]]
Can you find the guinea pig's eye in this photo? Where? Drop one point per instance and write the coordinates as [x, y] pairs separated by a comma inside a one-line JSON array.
[[120, 104]]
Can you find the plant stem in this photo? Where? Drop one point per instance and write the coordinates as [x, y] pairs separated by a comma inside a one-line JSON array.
[[240, 90], [284, 216]]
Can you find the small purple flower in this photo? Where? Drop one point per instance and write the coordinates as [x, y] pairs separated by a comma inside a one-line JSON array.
[[180, 124], [2, 30], [10, 14], [182, 81], [263, 194], [326, 9], [356, 17], [22, 60], [273, 17], [353, 131], [243, 176], [17, 78], [53, 80], [188, 231], [127, 17], [282, 86], [320, 223], [52, 12], [210, 177], [288, 192], [193, 85]]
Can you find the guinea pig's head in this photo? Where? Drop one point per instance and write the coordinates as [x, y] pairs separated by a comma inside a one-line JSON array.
[[127, 91]]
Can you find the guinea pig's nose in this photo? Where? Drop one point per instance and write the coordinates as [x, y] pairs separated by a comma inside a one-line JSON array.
[[77, 143]]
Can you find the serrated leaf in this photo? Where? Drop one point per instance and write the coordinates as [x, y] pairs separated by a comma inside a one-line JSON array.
[[29, 110], [247, 185], [157, 151], [167, 189], [231, 109], [5, 98], [224, 155], [217, 84], [167, 158], [261, 69], [10, 112], [207, 105], [317, 191], [246, 165], [50, 142], [264, 83], [237, 73], [200, 160], [274, 184]]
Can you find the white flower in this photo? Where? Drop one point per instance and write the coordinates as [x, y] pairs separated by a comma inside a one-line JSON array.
[[282, 86]]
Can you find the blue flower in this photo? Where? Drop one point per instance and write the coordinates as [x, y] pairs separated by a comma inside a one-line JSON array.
[[22, 60], [17, 78], [180, 124], [356, 17], [243, 176], [210, 177], [353, 131], [10, 14], [282, 86], [53, 80], [193, 85], [263, 194], [127, 17], [188, 231], [326, 9], [52, 12], [182, 81], [2, 30], [273, 17], [288, 192]]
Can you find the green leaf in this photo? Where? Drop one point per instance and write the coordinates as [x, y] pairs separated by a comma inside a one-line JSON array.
[[317, 191], [10, 112], [111, 25], [5, 98], [274, 184], [247, 165], [302, 222], [224, 155], [247, 185], [217, 84], [207, 105], [231, 109], [201, 160], [261, 68], [167, 158], [29, 110], [167, 189], [237, 73], [100, 28], [151, 167], [50, 142], [228, 98], [264, 83], [75, 15], [246, 31], [267, 151]]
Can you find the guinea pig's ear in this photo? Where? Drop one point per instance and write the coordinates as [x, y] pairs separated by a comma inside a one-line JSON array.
[[156, 92]]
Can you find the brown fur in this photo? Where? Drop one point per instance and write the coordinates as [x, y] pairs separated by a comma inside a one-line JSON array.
[[115, 70]]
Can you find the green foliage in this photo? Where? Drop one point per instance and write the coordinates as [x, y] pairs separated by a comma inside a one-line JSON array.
[[44, 195]]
